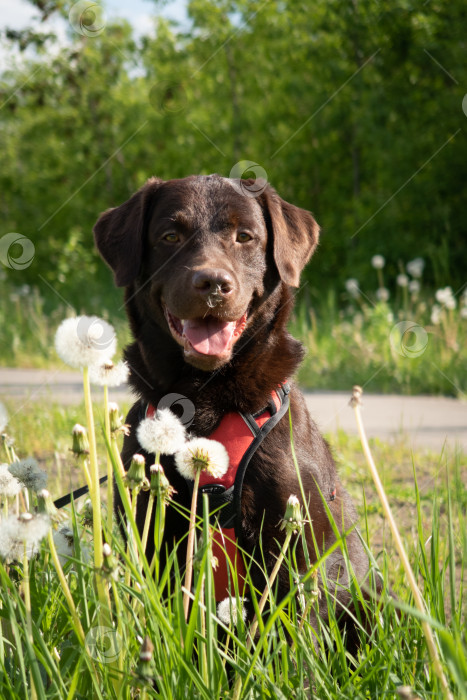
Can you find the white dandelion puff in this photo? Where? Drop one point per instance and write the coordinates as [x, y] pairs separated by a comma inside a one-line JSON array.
[[228, 611], [28, 472], [163, 434], [382, 294], [414, 286], [446, 298], [3, 417], [109, 374], [352, 287], [415, 267], [84, 341], [402, 280], [22, 535], [64, 543], [436, 314], [202, 454], [9, 485], [378, 262]]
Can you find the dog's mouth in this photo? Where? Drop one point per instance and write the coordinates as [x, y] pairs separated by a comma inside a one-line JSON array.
[[208, 336]]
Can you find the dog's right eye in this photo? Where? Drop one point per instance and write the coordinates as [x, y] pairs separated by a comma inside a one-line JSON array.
[[243, 237], [171, 237]]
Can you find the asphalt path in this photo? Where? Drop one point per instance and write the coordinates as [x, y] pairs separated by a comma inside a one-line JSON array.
[[423, 421]]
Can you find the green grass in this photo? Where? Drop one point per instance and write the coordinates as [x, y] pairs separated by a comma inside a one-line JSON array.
[[202, 658], [29, 323], [347, 340], [372, 344]]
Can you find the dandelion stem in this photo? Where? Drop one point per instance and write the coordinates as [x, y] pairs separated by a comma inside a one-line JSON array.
[[190, 544], [159, 527], [102, 592], [95, 493], [147, 522], [66, 591], [380, 278], [118, 461], [430, 640], [269, 585], [110, 480], [27, 605], [204, 657], [261, 604], [82, 461]]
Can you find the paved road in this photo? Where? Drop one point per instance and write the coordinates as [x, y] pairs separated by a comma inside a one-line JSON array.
[[424, 421]]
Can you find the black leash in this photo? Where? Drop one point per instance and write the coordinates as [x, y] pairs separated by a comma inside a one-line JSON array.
[[65, 500]]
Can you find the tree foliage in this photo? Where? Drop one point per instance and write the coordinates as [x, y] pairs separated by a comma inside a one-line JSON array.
[[354, 110]]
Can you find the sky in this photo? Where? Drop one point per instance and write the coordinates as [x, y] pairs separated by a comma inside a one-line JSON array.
[[18, 14]]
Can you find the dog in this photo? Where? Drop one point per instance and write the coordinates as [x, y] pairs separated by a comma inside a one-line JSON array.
[[208, 265]]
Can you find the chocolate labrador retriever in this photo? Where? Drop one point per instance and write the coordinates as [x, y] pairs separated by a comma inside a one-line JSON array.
[[208, 264]]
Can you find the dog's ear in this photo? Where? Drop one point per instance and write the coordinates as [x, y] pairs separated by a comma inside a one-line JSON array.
[[295, 235], [119, 233]]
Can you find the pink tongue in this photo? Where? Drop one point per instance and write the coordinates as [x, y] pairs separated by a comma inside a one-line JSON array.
[[209, 336]]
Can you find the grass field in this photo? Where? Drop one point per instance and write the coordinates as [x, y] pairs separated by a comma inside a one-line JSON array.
[[80, 620], [410, 344], [119, 638]]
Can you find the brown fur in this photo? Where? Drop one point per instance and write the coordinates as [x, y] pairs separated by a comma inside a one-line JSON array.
[[207, 213]]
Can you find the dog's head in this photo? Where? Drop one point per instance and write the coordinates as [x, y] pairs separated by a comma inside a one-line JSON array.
[[203, 251]]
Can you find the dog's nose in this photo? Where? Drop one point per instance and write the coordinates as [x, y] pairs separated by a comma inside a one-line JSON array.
[[212, 281]]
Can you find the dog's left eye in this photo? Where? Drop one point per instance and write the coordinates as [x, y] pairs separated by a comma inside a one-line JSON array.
[[171, 237], [243, 237]]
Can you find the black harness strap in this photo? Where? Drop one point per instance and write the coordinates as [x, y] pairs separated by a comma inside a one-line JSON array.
[[227, 503], [65, 500], [283, 393]]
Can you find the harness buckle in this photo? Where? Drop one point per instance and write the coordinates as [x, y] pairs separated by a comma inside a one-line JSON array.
[[212, 489]]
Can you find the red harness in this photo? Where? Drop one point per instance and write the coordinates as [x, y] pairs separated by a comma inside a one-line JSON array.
[[241, 434]]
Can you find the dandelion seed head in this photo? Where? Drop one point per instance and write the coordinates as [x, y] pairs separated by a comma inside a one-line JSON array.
[[352, 287], [22, 535], [28, 472], [202, 453], [64, 543], [162, 434], [415, 267], [414, 286], [9, 484], [382, 294], [109, 374], [292, 520], [3, 417], [402, 280], [228, 611], [84, 341], [463, 312], [378, 262], [46, 505], [436, 313], [135, 478], [87, 513], [446, 298]]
